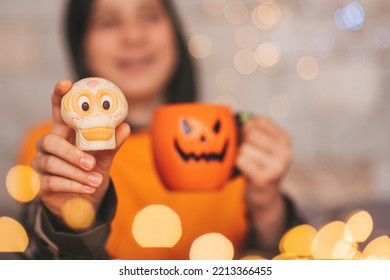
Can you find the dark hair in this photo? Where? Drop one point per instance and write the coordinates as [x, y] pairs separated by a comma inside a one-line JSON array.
[[182, 87]]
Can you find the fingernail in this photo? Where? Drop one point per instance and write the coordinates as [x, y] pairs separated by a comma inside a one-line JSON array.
[[94, 178], [88, 189], [86, 162]]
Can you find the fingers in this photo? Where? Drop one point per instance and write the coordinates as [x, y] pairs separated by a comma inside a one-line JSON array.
[[260, 141], [263, 134], [258, 166], [252, 155], [59, 126], [64, 168], [60, 89], [267, 128], [49, 164], [64, 185], [265, 153], [57, 146], [122, 133]]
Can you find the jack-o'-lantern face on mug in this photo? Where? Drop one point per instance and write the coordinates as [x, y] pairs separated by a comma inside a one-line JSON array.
[[194, 145]]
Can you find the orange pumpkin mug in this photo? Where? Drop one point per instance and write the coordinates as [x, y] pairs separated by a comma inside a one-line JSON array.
[[194, 145]]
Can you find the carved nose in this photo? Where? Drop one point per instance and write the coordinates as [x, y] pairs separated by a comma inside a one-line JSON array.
[[202, 139]]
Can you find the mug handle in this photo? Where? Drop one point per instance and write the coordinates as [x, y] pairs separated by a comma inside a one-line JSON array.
[[240, 119]]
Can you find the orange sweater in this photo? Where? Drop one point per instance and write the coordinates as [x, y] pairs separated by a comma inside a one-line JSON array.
[[137, 185]]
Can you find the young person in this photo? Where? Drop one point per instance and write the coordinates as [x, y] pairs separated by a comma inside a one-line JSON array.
[[139, 46]]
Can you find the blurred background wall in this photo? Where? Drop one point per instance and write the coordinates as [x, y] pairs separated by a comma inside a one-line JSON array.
[[319, 68]]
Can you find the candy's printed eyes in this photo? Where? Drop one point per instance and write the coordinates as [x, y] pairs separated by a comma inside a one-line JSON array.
[[84, 103], [106, 102], [106, 105], [85, 106]]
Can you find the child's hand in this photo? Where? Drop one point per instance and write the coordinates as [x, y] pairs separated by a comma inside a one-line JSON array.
[[264, 157], [65, 171]]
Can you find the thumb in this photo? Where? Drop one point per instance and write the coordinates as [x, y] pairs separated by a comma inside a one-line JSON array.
[[105, 157], [59, 126], [122, 133]]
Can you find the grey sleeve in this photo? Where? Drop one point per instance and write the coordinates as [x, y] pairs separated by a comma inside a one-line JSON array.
[[50, 239], [251, 243]]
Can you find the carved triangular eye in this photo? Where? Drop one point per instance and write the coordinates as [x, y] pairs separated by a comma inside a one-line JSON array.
[[217, 126], [186, 127]]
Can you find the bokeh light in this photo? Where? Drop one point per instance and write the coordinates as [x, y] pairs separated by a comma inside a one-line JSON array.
[[378, 249], [252, 257], [308, 68], [200, 46], [247, 37], [336, 240], [279, 106], [357, 255], [288, 256], [361, 225], [351, 16], [268, 54], [298, 241], [13, 237], [236, 12], [245, 62], [343, 249], [212, 246], [227, 80], [22, 183], [214, 7], [382, 37], [327, 239], [157, 226], [78, 213], [266, 15]]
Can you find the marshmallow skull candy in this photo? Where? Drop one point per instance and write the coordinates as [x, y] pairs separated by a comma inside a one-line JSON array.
[[94, 107]]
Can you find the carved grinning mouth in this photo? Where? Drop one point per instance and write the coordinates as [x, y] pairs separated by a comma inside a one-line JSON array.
[[203, 156]]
